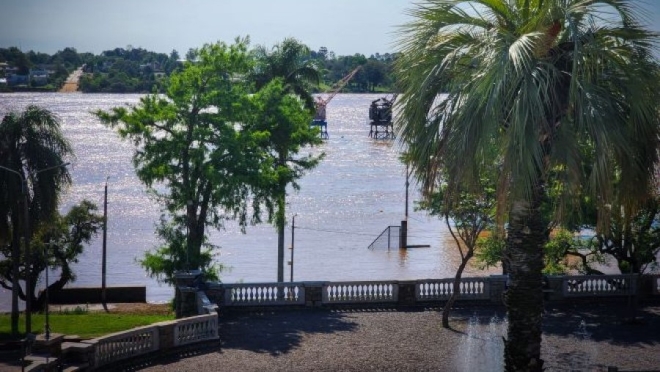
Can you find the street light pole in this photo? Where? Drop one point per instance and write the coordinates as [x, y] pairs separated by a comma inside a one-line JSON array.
[[26, 237], [47, 326]]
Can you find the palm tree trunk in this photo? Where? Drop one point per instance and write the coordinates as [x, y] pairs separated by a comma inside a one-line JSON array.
[[524, 298]]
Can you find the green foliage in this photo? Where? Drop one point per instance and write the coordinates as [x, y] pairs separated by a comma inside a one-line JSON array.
[[56, 244], [538, 80], [282, 127], [194, 145], [289, 61], [130, 70], [490, 250], [172, 256], [632, 236]]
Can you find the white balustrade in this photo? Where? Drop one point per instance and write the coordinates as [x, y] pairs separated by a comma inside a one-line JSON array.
[[599, 285], [259, 294], [123, 345], [441, 289], [361, 292], [196, 329]]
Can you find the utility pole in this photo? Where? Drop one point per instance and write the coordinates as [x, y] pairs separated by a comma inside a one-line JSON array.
[[104, 255]]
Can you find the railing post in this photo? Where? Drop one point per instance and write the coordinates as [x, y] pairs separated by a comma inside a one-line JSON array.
[[313, 294], [184, 292], [403, 235], [216, 293], [166, 334], [407, 296], [555, 290], [497, 288]]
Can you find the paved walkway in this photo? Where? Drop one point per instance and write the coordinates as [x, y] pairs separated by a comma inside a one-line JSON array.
[[575, 338], [583, 338]]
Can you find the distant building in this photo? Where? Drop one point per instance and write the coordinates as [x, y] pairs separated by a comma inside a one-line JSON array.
[[38, 77], [15, 79], [3, 81]]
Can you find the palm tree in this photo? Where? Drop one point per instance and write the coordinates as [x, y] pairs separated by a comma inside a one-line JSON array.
[[541, 81], [285, 124], [31, 149], [290, 61]]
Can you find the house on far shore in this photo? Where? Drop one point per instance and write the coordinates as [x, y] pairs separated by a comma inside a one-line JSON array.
[[3, 81], [15, 79], [38, 77]]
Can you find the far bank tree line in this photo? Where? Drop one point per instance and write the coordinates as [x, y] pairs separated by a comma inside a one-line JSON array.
[[136, 70], [57, 67]]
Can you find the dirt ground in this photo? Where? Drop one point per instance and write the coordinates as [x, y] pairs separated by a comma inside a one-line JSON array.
[[119, 308]]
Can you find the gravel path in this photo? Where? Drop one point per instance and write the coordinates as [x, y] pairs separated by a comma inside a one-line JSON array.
[[576, 338]]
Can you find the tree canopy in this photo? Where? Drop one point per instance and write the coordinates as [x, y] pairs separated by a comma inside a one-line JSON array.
[[537, 80]]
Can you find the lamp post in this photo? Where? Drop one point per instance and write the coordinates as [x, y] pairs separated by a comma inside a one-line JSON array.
[[46, 256], [103, 255], [26, 238]]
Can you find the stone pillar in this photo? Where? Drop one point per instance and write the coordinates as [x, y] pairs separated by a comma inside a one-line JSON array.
[[166, 334], [216, 294], [184, 292], [553, 290], [313, 294], [407, 297], [497, 288], [52, 346]]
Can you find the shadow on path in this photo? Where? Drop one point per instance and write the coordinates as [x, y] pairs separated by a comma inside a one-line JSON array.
[[278, 332], [605, 322]]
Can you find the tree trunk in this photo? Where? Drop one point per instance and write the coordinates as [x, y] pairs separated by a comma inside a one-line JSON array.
[[524, 297], [280, 237], [456, 291]]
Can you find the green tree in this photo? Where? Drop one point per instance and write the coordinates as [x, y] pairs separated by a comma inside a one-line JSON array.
[[290, 61], [55, 244], [193, 154], [284, 123], [471, 212], [538, 78], [32, 148]]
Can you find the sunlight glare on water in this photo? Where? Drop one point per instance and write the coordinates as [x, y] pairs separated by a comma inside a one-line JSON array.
[[343, 205]]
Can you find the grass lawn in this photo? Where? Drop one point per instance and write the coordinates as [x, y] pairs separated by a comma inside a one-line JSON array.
[[85, 325]]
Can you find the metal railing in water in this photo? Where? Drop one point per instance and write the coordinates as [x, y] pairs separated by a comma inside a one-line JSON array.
[[388, 239]]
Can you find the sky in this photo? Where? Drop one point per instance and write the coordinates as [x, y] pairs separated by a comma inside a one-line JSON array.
[[345, 27]]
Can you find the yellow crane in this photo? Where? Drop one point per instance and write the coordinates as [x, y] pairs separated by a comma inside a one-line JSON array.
[[322, 103]]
